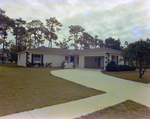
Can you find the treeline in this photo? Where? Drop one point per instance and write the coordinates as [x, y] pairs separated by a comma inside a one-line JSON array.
[[35, 33]]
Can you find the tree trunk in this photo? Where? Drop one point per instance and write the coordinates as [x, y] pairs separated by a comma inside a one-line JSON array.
[[141, 73], [16, 40], [50, 43]]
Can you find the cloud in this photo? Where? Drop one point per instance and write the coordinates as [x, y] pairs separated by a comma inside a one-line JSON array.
[[128, 20]]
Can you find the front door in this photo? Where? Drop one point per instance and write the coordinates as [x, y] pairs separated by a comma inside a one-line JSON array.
[[71, 58]]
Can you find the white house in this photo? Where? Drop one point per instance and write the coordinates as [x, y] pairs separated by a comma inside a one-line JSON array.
[[89, 58]]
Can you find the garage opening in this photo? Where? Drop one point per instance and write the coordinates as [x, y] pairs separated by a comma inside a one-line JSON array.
[[94, 62]]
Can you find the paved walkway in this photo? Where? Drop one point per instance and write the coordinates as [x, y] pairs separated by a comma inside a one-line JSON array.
[[117, 90]]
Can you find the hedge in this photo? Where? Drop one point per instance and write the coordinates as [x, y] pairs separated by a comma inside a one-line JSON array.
[[113, 67]]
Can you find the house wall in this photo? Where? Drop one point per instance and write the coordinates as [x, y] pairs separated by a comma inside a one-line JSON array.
[[81, 61], [76, 60], [69, 65], [120, 60], [56, 60], [110, 59], [22, 59]]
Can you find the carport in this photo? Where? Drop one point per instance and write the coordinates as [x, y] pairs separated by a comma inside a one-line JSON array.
[[94, 62]]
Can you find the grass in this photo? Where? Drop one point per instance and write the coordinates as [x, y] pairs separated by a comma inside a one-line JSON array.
[[125, 110], [131, 75], [23, 89]]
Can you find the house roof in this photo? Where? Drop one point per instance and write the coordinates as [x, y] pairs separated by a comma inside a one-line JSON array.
[[97, 50], [59, 51], [48, 50]]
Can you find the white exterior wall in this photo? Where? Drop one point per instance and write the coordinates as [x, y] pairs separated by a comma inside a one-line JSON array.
[[56, 60], [69, 65], [105, 61], [22, 59], [110, 58], [75, 59], [120, 60], [81, 61]]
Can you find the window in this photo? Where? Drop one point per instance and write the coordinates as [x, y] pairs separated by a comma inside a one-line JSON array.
[[37, 57], [71, 58], [66, 58], [115, 59]]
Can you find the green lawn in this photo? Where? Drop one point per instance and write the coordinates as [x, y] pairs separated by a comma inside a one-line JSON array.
[[131, 75], [125, 110], [24, 89]]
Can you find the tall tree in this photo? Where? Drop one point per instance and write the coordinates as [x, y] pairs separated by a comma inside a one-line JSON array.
[[5, 24], [63, 44], [75, 31], [97, 43], [12, 51], [53, 26], [85, 41], [112, 43], [29, 39], [138, 53], [36, 27], [19, 31]]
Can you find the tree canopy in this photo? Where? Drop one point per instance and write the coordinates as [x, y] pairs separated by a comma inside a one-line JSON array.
[[75, 31], [138, 53], [112, 43], [63, 44], [53, 26]]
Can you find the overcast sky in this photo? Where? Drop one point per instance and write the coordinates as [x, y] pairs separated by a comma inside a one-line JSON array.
[[128, 20]]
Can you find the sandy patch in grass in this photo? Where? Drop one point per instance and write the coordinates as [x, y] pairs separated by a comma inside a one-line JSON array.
[[125, 110]]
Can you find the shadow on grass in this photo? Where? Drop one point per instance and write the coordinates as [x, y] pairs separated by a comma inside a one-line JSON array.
[[125, 110]]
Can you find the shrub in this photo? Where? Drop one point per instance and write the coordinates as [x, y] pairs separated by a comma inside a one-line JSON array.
[[30, 65], [63, 64], [49, 64], [113, 67], [126, 68], [33, 64], [39, 64], [42, 64]]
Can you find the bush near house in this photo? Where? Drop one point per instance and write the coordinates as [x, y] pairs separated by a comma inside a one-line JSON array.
[[48, 64], [39, 64], [113, 67]]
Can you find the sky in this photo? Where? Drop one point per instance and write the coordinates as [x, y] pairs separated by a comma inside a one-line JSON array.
[[128, 20]]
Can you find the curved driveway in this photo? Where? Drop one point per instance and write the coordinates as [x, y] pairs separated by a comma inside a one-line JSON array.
[[117, 90]]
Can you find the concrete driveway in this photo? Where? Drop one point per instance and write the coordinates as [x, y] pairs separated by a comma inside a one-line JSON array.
[[120, 88], [117, 90]]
